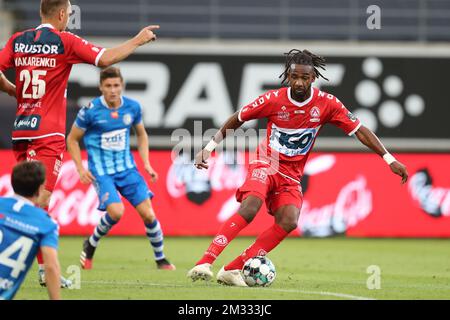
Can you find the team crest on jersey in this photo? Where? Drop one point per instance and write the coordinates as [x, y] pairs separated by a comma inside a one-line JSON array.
[[283, 115], [315, 114], [127, 119]]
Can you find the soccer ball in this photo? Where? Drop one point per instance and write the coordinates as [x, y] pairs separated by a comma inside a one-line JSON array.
[[259, 272]]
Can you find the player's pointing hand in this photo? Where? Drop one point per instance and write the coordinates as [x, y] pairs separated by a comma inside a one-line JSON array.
[[146, 35], [200, 159], [399, 169]]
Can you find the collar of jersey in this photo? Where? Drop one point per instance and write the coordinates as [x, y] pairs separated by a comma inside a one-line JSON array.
[[20, 198], [103, 101], [300, 104], [45, 25]]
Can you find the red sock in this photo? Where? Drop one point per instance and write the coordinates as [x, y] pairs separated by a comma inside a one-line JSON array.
[[39, 257], [265, 243], [229, 230]]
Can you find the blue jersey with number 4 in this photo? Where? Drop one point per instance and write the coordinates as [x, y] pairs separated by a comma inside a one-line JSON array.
[[107, 135], [23, 229]]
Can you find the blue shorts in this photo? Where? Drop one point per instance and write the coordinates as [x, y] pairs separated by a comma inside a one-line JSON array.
[[129, 183]]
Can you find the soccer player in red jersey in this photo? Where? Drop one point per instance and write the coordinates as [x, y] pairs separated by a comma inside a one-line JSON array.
[[295, 115], [43, 58]]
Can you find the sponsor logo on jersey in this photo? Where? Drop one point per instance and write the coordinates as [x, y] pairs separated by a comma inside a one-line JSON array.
[[27, 122], [315, 114], [264, 98], [114, 140], [260, 175], [127, 119], [292, 142], [221, 240], [283, 115], [35, 48], [30, 106]]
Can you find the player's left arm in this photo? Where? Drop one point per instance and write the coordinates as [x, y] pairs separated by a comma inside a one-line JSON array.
[[142, 142], [368, 138], [341, 117]]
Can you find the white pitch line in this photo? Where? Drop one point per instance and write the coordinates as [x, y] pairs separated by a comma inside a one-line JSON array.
[[320, 293]]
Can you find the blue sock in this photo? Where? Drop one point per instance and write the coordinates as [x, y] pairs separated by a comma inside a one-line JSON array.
[[105, 224], [155, 235]]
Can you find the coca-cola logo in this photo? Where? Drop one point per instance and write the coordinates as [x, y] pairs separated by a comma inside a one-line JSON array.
[[72, 202], [353, 204], [434, 200], [183, 177]]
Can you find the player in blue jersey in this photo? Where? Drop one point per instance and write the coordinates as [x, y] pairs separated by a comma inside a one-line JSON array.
[[25, 228], [105, 126]]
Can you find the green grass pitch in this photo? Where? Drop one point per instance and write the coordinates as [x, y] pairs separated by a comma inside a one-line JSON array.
[[306, 269]]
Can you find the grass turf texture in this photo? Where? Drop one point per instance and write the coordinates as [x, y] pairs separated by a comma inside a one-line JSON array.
[[306, 269]]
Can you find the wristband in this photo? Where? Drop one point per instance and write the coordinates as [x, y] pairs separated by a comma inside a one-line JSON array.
[[389, 158], [211, 146]]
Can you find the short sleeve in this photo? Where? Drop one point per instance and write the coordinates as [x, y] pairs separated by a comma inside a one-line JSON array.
[[81, 51], [83, 120], [341, 117], [137, 115], [260, 108], [50, 238], [7, 56]]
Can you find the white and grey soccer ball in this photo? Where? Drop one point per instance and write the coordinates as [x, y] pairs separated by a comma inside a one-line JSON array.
[[259, 272]]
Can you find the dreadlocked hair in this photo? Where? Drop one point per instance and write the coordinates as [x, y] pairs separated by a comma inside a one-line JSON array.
[[304, 57]]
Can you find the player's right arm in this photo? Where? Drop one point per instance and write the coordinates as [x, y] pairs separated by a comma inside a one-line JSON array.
[[49, 249], [73, 146], [52, 272], [260, 108], [121, 52], [201, 158], [6, 62]]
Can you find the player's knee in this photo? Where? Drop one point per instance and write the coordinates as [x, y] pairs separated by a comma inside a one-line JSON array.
[[250, 207], [116, 212], [288, 219], [149, 217], [288, 225]]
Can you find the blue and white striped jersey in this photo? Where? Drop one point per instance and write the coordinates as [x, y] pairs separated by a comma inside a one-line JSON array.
[[107, 135]]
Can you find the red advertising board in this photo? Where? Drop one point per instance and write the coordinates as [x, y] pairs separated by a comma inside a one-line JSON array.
[[345, 193]]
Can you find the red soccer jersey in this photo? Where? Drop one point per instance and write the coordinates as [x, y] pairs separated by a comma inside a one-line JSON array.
[[43, 58], [293, 126]]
